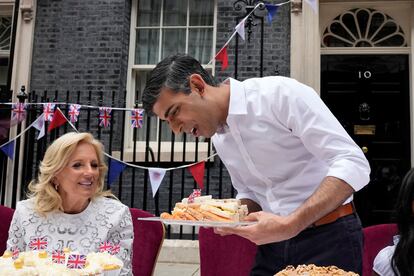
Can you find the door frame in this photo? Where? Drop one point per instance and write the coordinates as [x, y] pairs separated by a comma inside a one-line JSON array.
[[307, 26]]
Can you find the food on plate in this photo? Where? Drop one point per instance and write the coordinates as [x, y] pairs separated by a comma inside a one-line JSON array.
[[205, 208], [35, 263], [313, 270]]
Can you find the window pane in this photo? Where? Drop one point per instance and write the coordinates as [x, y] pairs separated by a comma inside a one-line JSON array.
[[175, 13], [146, 50], [149, 13], [201, 12], [173, 42], [200, 42], [5, 32]]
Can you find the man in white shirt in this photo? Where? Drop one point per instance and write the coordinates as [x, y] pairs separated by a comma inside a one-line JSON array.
[[286, 154]]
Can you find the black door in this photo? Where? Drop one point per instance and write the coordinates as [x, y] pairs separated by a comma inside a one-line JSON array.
[[369, 94]]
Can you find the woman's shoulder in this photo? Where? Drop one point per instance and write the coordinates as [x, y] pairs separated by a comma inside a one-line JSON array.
[[382, 262], [27, 204]]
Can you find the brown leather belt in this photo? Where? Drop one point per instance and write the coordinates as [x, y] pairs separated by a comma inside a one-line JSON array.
[[341, 211]]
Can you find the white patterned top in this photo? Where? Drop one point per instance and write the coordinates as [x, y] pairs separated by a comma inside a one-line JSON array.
[[103, 220]]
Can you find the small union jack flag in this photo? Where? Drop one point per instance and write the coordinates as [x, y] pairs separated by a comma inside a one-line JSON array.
[[19, 111], [74, 110], [194, 194], [105, 246], [115, 249], [48, 110], [15, 252], [76, 261], [104, 116], [137, 118], [58, 257], [38, 243]]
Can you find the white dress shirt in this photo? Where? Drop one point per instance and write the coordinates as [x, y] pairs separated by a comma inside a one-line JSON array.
[[282, 141], [103, 220]]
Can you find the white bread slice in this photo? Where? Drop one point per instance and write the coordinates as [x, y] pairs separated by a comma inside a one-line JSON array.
[[230, 215]]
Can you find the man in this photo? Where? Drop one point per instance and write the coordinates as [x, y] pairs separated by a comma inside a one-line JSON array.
[[286, 154]]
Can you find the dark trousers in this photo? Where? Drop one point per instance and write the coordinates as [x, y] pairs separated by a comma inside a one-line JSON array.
[[338, 243]]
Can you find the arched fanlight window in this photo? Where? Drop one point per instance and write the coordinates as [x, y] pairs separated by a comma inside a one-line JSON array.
[[5, 32], [363, 28]]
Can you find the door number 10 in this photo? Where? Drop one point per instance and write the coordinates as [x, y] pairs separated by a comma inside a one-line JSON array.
[[365, 75]]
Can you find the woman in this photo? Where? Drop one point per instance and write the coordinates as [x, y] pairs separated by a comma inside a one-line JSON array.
[[68, 206], [398, 259]]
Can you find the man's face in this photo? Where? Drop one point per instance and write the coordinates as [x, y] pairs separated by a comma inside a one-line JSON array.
[[190, 113]]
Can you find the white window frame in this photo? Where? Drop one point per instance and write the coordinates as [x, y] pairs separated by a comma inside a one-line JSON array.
[[165, 154]]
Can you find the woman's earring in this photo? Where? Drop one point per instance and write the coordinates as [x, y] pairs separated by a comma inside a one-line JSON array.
[[56, 187]]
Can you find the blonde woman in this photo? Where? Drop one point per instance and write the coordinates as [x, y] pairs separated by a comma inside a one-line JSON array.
[[68, 205]]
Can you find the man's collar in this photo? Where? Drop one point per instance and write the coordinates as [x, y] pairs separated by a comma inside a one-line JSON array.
[[237, 102]]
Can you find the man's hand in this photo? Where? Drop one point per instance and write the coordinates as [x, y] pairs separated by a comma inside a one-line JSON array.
[[269, 228]]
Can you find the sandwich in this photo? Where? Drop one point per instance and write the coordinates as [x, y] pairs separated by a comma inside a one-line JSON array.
[[205, 208]]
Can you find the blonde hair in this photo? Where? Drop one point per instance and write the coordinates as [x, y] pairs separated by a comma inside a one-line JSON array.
[[57, 155]]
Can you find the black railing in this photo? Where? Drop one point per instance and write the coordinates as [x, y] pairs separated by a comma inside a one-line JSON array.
[[133, 185]]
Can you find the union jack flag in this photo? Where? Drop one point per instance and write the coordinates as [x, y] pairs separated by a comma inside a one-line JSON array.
[[105, 246], [38, 243], [194, 194], [15, 252], [58, 257], [74, 110], [19, 111], [104, 116], [76, 261], [115, 249], [137, 117], [48, 109]]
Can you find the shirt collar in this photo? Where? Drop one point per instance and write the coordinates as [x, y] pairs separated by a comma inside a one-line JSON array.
[[237, 103]]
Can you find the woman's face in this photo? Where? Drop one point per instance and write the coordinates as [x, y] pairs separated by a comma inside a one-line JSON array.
[[78, 180]]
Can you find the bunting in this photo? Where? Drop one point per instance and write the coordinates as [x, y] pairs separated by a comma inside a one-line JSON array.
[[271, 11], [223, 57], [58, 119], [313, 4], [8, 149], [137, 118], [74, 110], [197, 171], [39, 124], [104, 116], [156, 176], [115, 169], [240, 29], [48, 109], [19, 112]]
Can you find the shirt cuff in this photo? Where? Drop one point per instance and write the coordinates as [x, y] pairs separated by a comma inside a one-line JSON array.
[[356, 174]]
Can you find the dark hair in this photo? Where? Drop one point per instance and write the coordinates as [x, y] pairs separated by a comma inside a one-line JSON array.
[[173, 72], [402, 260]]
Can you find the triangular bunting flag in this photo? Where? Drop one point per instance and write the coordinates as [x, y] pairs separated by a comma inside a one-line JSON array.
[[39, 124], [48, 109], [156, 176], [197, 171], [222, 56], [74, 110], [115, 169], [8, 149], [313, 4], [240, 29], [57, 120], [271, 11]]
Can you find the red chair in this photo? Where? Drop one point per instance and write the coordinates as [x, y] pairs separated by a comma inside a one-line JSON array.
[[376, 237], [225, 255], [6, 215], [148, 239]]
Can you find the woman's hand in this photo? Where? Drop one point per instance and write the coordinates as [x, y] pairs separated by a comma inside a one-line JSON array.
[[269, 228]]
